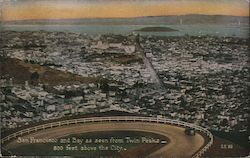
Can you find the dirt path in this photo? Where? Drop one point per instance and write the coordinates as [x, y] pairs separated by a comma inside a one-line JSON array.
[[180, 145]]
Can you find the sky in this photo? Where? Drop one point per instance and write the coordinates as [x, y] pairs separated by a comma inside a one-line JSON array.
[[70, 9]]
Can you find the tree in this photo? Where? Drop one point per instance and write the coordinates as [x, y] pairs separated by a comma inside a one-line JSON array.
[[34, 76], [224, 123], [183, 100], [104, 86]]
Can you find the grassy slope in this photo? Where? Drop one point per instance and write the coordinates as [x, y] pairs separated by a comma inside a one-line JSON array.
[[21, 72]]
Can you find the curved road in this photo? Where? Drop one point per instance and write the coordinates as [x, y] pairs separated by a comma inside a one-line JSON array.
[[180, 144]]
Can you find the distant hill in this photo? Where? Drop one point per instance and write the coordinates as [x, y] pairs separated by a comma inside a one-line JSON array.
[[150, 20]]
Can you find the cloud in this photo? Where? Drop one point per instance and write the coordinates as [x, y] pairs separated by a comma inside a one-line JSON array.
[[56, 9]]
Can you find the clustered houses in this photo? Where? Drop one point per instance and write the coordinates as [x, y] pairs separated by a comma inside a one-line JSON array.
[[205, 78]]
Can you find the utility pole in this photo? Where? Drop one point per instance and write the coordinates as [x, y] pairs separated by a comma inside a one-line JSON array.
[[1, 14], [181, 21], [1, 28]]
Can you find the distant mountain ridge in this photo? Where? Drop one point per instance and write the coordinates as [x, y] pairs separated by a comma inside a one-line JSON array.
[[149, 20]]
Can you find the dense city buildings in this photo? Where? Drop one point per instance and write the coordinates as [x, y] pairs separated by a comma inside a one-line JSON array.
[[202, 80]]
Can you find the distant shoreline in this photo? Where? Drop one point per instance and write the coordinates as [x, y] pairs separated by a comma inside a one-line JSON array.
[[144, 20], [156, 29], [182, 30]]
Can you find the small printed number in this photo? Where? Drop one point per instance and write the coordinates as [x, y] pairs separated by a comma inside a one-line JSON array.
[[58, 148], [226, 146]]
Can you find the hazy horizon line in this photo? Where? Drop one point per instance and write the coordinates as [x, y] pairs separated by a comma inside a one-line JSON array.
[[3, 20]]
